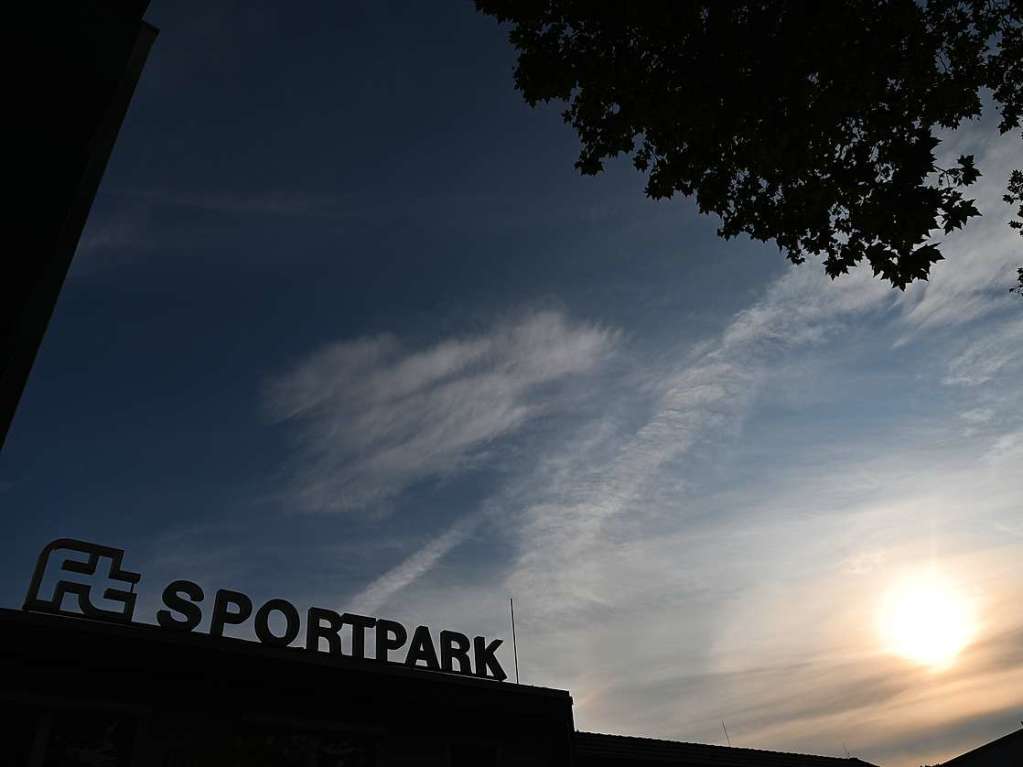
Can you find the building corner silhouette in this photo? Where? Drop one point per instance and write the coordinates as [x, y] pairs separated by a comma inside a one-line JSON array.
[[86, 59]]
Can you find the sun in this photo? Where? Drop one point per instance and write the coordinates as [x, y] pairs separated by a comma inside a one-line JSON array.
[[926, 619]]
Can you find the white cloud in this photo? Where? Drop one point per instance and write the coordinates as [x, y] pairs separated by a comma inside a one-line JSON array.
[[997, 350], [116, 235], [413, 567], [563, 507], [703, 400], [980, 260], [375, 417]]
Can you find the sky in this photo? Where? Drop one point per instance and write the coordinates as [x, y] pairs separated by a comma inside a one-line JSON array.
[[346, 327]]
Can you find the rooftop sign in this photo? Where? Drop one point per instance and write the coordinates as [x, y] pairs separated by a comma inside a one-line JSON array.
[[68, 571]]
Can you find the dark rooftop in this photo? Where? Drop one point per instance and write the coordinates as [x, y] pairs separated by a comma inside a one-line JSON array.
[[1004, 752], [594, 748]]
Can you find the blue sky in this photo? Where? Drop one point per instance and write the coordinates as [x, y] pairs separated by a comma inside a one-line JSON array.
[[345, 326]]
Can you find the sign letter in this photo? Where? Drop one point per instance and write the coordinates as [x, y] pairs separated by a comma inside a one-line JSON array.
[[390, 636], [486, 660], [421, 649], [359, 625], [266, 636], [221, 614], [172, 597], [455, 647], [314, 630]]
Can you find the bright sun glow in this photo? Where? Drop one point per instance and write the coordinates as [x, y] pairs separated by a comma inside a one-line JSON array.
[[926, 619]]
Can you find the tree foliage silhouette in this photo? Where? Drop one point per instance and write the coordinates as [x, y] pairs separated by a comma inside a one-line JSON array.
[[810, 123], [1014, 196]]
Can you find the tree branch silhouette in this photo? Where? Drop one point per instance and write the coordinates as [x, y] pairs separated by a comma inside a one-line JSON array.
[[809, 124], [1014, 196]]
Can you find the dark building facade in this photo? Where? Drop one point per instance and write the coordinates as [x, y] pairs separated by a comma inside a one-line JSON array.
[[82, 692]]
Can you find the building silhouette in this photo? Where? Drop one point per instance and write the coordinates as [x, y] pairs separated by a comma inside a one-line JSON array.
[[86, 58], [76, 692], [1006, 751], [598, 750]]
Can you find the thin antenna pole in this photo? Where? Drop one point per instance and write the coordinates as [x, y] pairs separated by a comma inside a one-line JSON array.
[[726, 732], [515, 646]]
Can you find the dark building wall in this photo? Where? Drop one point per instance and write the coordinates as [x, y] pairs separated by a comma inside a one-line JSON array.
[[137, 695], [81, 62]]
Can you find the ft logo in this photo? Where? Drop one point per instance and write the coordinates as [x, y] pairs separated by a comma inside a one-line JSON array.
[[93, 562]]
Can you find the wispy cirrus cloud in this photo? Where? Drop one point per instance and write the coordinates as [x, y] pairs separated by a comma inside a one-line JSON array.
[[699, 402], [981, 262], [380, 590], [996, 351], [562, 505], [374, 416]]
